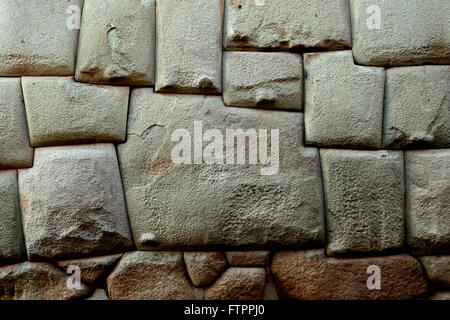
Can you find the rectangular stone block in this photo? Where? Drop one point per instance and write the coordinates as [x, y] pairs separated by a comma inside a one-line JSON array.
[[417, 107], [73, 203], [36, 39], [311, 275], [364, 196], [182, 199], [287, 24], [427, 201], [263, 79], [61, 111], [15, 149], [188, 50], [12, 248], [117, 42], [343, 101], [400, 32]]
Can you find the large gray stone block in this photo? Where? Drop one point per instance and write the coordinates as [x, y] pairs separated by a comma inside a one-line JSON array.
[[12, 246], [61, 111], [364, 196], [73, 203], [188, 49], [36, 39], [263, 79], [410, 32], [417, 107], [287, 24], [343, 101], [15, 149], [427, 201], [117, 42], [210, 202]]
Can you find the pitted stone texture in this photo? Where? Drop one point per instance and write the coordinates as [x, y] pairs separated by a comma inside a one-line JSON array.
[[247, 258], [238, 284], [343, 101], [11, 238], [188, 50], [287, 24], [92, 269], [61, 111], [111, 49], [204, 267], [411, 32], [263, 79], [428, 201], [364, 192], [36, 40], [15, 150], [37, 281], [417, 107], [72, 203], [310, 275], [438, 269], [154, 275], [192, 205]]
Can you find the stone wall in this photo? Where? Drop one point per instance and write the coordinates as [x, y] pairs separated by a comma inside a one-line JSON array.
[[224, 149]]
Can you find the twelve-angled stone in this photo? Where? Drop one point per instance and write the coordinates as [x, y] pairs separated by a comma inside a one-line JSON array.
[[205, 200]]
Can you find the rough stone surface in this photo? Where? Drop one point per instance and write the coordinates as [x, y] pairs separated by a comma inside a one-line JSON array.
[[11, 238], [154, 275], [411, 32], [61, 111], [192, 66], [238, 284], [185, 205], [343, 101], [247, 258], [263, 79], [204, 267], [270, 292], [364, 192], [287, 24], [35, 38], [111, 49], [15, 150], [438, 269], [99, 294], [417, 107], [36, 281], [310, 275], [428, 200], [73, 204], [92, 269], [441, 295]]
